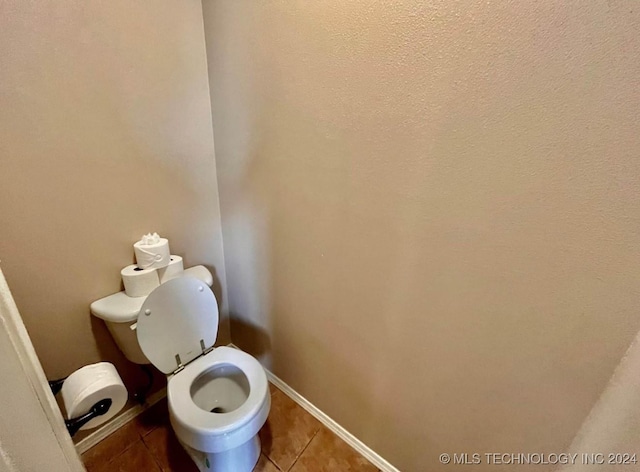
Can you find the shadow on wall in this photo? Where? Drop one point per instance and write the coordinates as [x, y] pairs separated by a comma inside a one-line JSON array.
[[250, 337], [223, 328], [285, 296]]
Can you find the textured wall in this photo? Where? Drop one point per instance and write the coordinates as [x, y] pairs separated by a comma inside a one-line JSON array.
[[105, 134], [431, 211]]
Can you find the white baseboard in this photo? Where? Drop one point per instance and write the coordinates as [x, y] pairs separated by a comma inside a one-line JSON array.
[[345, 435], [318, 414], [118, 422]]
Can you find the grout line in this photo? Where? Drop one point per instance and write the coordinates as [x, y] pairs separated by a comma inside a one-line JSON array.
[[262, 453], [269, 459], [364, 450], [152, 454], [305, 448]]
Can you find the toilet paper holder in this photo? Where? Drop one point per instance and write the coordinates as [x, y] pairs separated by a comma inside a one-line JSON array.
[[74, 424]]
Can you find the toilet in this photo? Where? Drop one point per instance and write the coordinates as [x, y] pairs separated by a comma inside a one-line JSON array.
[[218, 397]]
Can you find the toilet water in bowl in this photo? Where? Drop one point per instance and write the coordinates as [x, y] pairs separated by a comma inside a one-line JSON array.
[[222, 389]]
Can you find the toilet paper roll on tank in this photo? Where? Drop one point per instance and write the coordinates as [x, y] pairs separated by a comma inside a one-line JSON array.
[[173, 270], [139, 282], [152, 252], [154, 266]]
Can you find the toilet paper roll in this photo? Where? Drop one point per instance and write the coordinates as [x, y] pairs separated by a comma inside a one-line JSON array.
[[90, 384], [173, 270], [139, 282], [152, 255]]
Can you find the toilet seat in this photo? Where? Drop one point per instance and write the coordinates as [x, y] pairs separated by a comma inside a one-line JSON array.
[[176, 329], [178, 322], [195, 426]]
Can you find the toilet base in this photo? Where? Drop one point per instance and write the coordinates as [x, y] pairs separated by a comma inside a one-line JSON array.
[[239, 459]]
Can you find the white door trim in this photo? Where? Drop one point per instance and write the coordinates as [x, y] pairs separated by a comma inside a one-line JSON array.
[[19, 338]]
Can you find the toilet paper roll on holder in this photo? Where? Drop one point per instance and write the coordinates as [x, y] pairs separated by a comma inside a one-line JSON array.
[[74, 424]]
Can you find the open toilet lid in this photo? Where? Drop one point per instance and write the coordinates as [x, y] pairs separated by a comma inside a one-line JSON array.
[[174, 319]]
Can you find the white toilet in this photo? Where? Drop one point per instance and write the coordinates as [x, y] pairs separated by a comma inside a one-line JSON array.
[[218, 397]]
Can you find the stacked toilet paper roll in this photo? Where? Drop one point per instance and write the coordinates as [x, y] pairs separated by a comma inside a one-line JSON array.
[[154, 265], [152, 252], [90, 384], [139, 282], [173, 270]]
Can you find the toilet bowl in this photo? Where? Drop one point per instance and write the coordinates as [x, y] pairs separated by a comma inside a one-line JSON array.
[[217, 405], [218, 397]]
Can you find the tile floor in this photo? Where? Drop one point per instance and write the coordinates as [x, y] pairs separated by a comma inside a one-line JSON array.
[[292, 440]]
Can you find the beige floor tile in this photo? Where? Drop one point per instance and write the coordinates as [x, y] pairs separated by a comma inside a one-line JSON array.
[[111, 446], [166, 449], [136, 458], [265, 465], [287, 431], [328, 453]]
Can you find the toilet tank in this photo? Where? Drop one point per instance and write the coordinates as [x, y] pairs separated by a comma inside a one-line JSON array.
[[120, 313], [124, 334]]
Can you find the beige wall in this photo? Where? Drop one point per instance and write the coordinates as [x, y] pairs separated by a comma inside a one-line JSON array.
[[105, 134], [431, 212]]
